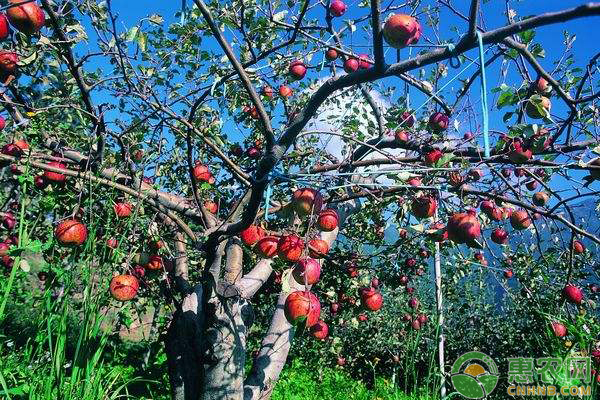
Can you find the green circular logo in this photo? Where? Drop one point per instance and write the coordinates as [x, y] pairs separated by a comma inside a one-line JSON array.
[[474, 375]]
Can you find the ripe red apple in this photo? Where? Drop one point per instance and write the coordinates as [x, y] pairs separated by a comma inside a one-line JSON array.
[[371, 299], [154, 263], [55, 176], [267, 246], [519, 154], [285, 91], [12, 149], [320, 330], [317, 248], [468, 136], [268, 91], [138, 155], [362, 317], [438, 122], [341, 361], [402, 233], [4, 248], [401, 136], [433, 156], [8, 62], [520, 220], [9, 222], [455, 179], [124, 287], [112, 243], [476, 174], [415, 324], [407, 119], [578, 247], [203, 174], [540, 199], [251, 111], [327, 220], [499, 236], [559, 329], [413, 303], [251, 235], [532, 110], [253, 152], [351, 65], [334, 308], [306, 201], [414, 181], [424, 206], [4, 27], [464, 228], [410, 290], [290, 248], [508, 273], [542, 86], [331, 54], [307, 271], [302, 308], [297, 69], [70, 232], [401, 30], [28, 18], [531, 185], [423, 319], [337, 8], [573, 294], [364, 62], [211, 206], [123, 210], [375, 283]]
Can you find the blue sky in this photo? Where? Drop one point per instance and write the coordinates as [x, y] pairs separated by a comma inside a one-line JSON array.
[[550, 37]]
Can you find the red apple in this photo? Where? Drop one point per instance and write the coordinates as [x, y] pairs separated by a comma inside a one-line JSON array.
[[499, 236], [414, 181], [124, 287], [112, 243], [476, 174], [4, 248], [55, 176], [211, 206], [364, 62], [337, 8], [578, 247], [251, 235], [302, 308], [424, 207], [70, 232], [407, 119], [464, 228], [540, 199], [341, 361], [267, 246], [297, 69], [371, 299], [401, 136], [320, 330], [455, 179], [433, 156], [4, 27], [317, 248], [253, 152], [422, 318], [362, 317], [438, 122], [8, 62], [351, 65], [154, 263], [123, 210], [285, 91], [331, 54], [334, 308], [290, 248], [541, 86], [306, 201], [559, 329], [327, 220], [203, 174], [531, 185], [416, 325], [28, 18], [508, 273], [573, 294], [401, 30], [413, 303], [307, 271], [520, 220], [532, 110], [468, 136], [519, 154]]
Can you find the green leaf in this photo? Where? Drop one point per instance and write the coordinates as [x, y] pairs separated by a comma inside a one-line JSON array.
[[527, 36]]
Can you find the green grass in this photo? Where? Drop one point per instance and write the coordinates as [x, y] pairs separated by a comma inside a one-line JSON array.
[[301, 382]]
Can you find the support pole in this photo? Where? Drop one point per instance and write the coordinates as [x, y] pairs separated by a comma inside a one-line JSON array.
[[440, 315]]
